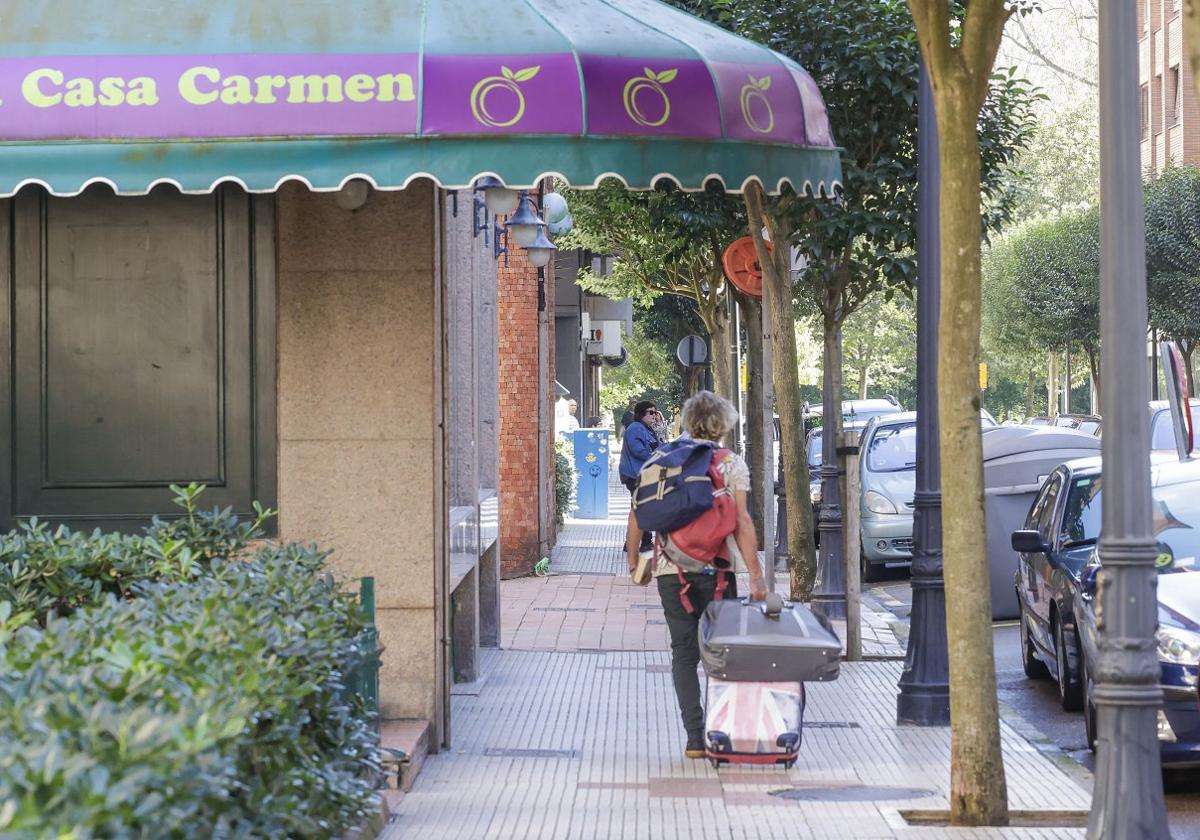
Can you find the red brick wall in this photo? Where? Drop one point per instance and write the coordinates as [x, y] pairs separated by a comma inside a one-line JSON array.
[[526, 415]]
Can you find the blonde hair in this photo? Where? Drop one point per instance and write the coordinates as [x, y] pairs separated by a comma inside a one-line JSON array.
[[707, 416]]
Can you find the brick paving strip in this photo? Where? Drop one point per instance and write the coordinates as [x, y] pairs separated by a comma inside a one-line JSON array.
[[577, 735]]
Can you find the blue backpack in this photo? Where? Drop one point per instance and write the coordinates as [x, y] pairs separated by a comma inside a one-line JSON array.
[[674, 487]]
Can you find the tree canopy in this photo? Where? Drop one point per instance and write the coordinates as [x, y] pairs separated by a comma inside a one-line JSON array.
[[1173, 257]]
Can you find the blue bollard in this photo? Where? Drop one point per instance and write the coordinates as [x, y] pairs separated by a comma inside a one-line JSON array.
[[591, 471]]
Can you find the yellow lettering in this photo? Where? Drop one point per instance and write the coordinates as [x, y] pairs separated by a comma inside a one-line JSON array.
[[31, 88], [236, 91], [360, 88], [142, 91], [189, 90], [265, 87], [395, 87], [81, 93], [112, 91], [314, 89]]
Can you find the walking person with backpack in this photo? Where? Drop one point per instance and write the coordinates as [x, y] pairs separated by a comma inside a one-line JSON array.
[[637, 445], [694, 562]]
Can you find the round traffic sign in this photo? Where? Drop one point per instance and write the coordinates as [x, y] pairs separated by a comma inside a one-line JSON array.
[[692, 351]]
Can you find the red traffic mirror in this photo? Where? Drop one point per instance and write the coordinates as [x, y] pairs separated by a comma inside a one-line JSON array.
[[741, 266]]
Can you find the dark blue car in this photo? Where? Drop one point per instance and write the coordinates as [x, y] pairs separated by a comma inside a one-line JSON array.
[[1056, 574]]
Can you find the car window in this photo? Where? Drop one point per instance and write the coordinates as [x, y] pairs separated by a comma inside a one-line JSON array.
[[1176, 521], [1081, 517], [1044, 512], [893, 448], [1162, 433], [1089, 426], [814, 449]]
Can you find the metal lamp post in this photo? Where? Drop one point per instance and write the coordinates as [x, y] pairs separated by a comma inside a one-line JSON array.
[[924, 698], [829, 591], [1127, 801]]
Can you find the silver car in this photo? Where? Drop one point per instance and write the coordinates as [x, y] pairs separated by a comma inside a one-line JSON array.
[[887, 473]]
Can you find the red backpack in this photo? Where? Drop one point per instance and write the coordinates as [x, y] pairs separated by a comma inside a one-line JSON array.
[[706, 543]]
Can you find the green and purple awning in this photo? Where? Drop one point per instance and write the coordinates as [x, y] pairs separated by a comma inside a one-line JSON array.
[[260, 93]]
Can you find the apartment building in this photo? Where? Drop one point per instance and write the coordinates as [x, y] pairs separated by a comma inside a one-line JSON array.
[[1170, 114]]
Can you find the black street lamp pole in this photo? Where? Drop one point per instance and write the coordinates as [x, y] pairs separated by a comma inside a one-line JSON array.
[[829, 591], [1127, 797], [924, 698]]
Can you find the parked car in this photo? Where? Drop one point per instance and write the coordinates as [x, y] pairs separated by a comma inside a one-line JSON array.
[[1077, 421], [1162, 433], [887, 473], [1057, 588], [815, 459], [853, 411]]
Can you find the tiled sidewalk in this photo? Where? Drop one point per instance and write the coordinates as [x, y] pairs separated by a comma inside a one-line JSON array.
[[575, 734]]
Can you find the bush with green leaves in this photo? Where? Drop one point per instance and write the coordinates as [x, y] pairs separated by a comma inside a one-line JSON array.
[[206, 698], [564, 479]]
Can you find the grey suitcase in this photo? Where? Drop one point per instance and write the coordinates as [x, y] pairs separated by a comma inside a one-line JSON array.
[[743, 640]]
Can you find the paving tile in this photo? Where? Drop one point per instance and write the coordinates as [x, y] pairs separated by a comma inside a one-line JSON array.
[[576, 733]]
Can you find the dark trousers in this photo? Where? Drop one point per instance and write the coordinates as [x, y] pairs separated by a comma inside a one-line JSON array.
[[631, 484], [685, 638]]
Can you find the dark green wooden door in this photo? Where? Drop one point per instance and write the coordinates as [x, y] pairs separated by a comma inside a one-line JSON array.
[[142, 353]]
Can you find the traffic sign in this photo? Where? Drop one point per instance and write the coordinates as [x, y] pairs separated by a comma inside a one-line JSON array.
[[692, 351]]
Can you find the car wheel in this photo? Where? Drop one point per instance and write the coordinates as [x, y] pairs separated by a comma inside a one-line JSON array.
[[1035, 669], [1089, 707], [870, 572], [1070, 693]]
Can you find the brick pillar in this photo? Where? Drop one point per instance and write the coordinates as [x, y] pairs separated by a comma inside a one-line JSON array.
[[521, 441]]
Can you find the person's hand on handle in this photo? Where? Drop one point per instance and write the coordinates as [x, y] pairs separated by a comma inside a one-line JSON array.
[[758, 589]]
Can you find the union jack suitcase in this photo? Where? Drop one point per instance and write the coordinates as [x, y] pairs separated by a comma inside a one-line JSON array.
[[753, 722]]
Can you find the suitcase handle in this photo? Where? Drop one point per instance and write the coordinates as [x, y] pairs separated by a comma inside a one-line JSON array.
[[773, 607]]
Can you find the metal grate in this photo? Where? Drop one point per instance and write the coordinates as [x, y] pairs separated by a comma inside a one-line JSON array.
[[502, 752], [832, 724], [856, 793]]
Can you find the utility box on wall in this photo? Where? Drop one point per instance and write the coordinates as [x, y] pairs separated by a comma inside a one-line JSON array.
[[591, 473]]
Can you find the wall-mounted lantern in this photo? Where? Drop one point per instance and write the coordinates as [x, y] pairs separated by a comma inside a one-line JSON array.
[[540, 250]]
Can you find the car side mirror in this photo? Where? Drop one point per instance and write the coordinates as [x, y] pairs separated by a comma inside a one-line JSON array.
[[1087, 583], [1028, 542]]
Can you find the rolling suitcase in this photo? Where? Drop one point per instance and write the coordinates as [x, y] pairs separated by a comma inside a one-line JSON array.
[[768, 641], [753, 722]]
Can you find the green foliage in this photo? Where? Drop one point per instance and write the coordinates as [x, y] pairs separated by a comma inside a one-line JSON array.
[[1173, 255], [177, 684], [863, 56], [1042, 284], [880, 341], [666, 241], [564, 479], [650, 374], [44, 570]]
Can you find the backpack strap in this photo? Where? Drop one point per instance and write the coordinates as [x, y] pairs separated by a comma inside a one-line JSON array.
[[684, 587]]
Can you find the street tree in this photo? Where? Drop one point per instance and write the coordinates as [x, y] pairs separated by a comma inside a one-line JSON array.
[[879, 347], [778, 299], [1173, 259], [959, 43], [666, 242], [864, 58], [1050, 273]]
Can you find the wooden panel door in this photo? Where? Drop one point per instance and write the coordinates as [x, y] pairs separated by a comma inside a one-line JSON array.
[[142, 342]]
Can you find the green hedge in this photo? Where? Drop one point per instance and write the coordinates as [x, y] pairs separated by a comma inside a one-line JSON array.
[[179, 685]]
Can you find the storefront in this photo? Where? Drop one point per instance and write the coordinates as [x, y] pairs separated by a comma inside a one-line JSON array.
[[241, 246]]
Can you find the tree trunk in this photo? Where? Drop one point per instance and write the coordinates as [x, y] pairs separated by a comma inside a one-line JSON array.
[[1030, 385], [1052, 385], [1093, 354], [752, 317], [862, 382], [802, 561], [716, 322], [978, 789]]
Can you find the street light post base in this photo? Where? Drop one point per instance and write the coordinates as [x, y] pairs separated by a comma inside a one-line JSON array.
[[923, 705]]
